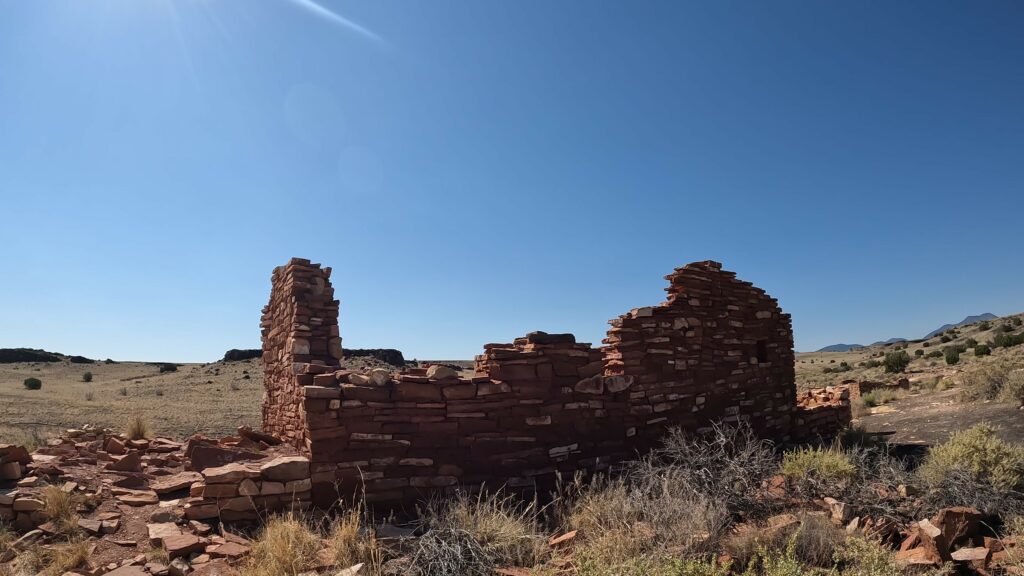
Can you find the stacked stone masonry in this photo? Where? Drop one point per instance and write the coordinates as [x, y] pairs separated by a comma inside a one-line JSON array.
[[718, 350]]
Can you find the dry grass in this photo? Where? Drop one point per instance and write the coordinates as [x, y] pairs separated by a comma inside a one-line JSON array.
[[350, 543], [31, 437], [195, 398], [7, 536], [138, 429], [61, 507], [286, 546], [53, 560], [880, 397], [643, 525]]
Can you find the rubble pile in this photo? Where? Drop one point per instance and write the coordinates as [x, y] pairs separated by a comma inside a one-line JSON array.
[[130, 496]]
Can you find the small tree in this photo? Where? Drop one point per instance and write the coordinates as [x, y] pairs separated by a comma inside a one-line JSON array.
[[33, 383], [896, 362], [87, 377]]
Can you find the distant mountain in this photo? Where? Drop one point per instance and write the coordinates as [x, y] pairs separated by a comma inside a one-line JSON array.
[[889, 341], [965, 321], [840, 347]]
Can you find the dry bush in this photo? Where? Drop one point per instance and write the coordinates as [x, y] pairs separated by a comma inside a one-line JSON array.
[[975, 468], [730, 465], [1013, 388], [474, 535], [61, 508], [983, 382], [138, 429], [286, 546], [1014, 529]]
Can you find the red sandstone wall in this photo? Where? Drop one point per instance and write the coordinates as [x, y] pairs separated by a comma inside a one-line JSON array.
[[300, 338], [719, 349]]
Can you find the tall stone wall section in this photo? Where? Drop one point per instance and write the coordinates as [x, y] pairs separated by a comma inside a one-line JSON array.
[[300, 340], [718, 349]]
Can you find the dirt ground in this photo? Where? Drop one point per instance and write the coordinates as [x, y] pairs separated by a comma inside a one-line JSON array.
[[930, 417]]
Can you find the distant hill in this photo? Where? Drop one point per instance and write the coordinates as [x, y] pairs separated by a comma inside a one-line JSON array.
[[13, 355], [965, 321], [840, 347], [386, 355], [932, 334]]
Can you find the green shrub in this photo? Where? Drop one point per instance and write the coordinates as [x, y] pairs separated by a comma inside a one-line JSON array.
[[826, 465], [843, 367], [1007, 340], [945, 339], [952, 355], [87, 377], [984, 325], [860, 557], [982, 350], [871, 364], [934, 354], [974, 461], [970, 343], [919, 353], [1016, 321], [33, 383], [167, 367], [896, 362], [926, 344]]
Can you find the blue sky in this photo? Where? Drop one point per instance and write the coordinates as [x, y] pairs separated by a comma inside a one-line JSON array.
[[477, 170]]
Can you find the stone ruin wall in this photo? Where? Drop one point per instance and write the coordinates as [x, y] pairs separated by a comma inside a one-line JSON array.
[[719, 349], [300, 333]]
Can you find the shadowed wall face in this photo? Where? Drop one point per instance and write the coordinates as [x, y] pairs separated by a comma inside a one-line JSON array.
[[719, 349]]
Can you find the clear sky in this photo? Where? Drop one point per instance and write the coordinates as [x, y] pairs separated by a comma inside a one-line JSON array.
[[477, 170]]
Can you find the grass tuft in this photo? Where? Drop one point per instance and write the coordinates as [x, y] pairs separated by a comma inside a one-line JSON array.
[[138, 429], [286, 546], [61, 508]]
